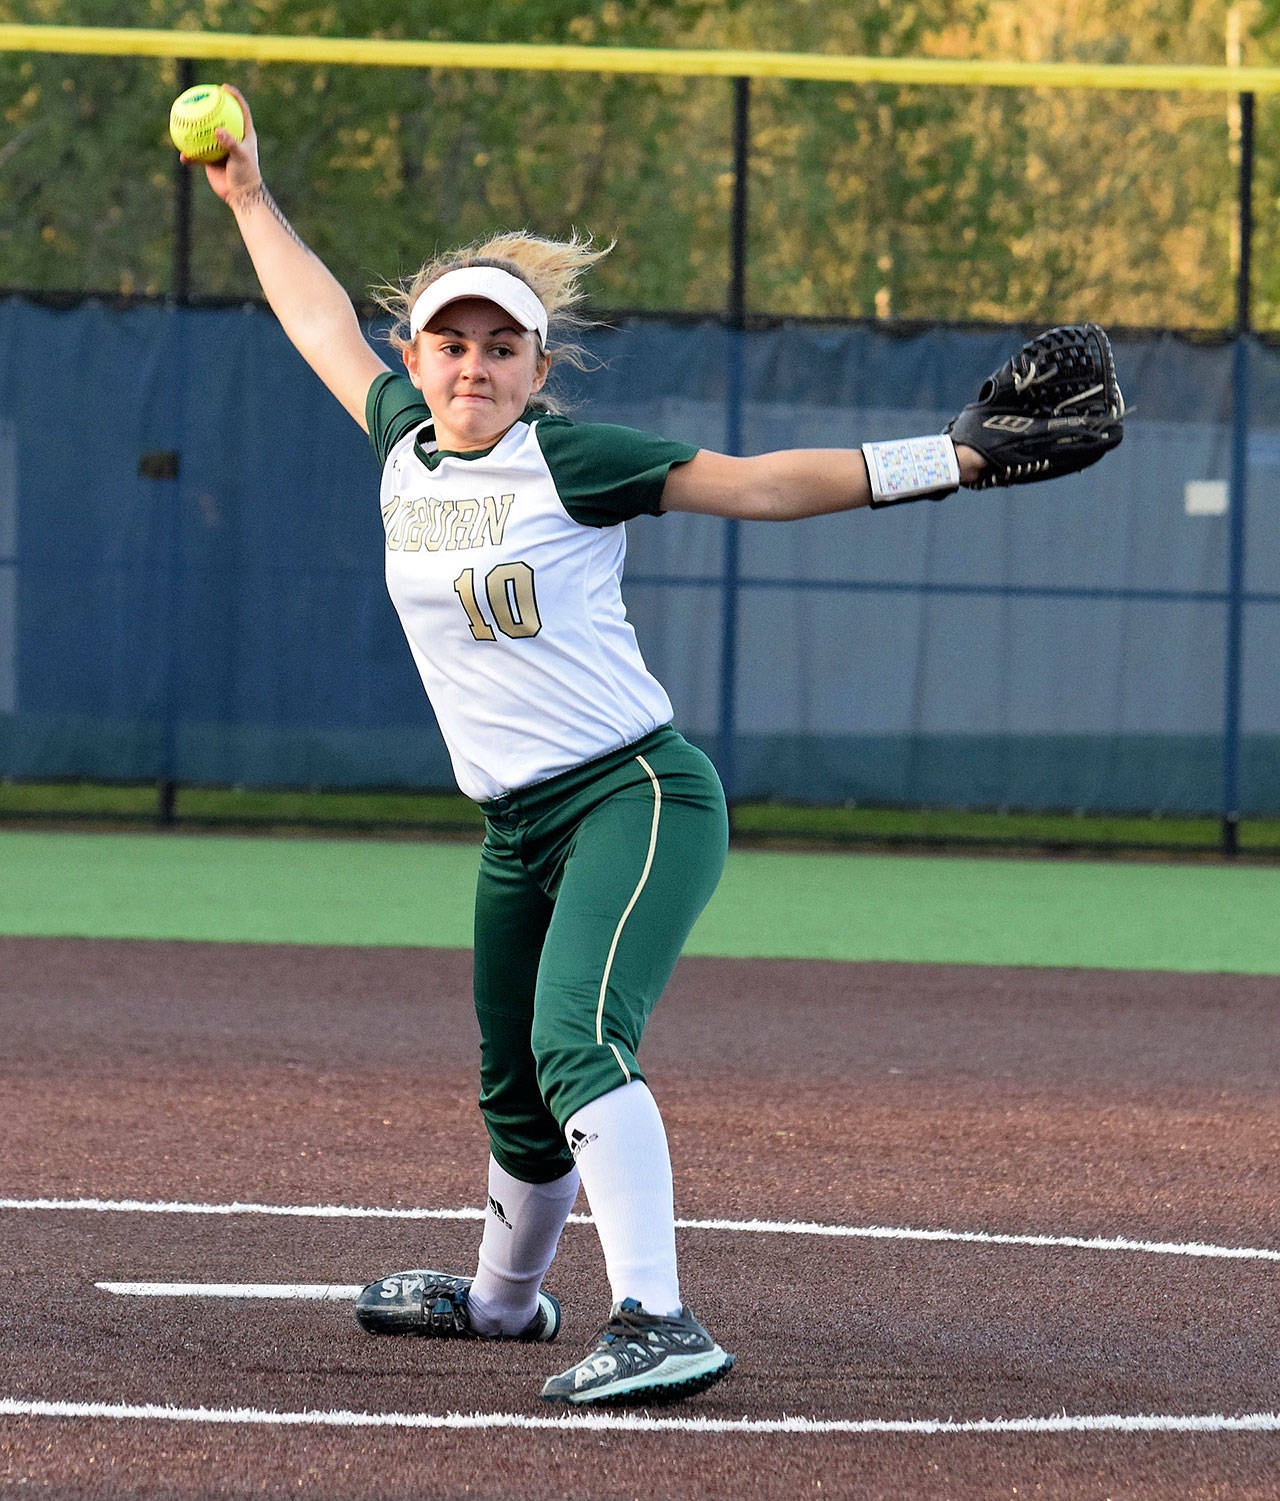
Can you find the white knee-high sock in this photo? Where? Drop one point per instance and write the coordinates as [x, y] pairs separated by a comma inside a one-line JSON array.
[[620, 1147], [522, 1225]]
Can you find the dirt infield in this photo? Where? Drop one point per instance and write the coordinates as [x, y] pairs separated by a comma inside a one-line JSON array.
[[991, 1103]]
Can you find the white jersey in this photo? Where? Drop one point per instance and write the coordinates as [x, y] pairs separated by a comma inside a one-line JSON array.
[[506, 569]]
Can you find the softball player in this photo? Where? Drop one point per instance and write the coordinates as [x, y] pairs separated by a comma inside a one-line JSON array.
[[605, 831]]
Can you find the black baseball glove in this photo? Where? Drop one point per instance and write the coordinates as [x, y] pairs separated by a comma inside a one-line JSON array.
[[1052, 409]]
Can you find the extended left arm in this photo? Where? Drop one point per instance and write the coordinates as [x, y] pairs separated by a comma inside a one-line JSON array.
[[1054, 408], [782, 486]]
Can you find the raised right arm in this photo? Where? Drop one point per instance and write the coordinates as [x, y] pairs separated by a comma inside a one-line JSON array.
[[312, 306]]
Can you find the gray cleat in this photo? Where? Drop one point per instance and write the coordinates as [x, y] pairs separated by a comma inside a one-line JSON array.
[[433, 1305], [643, 1359]]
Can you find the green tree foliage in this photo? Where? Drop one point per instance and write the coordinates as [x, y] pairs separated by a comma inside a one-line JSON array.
[[868, 200]]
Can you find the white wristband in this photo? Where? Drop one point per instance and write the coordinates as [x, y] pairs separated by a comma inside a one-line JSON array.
[[911, 468]]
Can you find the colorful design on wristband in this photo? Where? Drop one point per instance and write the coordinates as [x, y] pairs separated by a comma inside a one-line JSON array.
[[911, 469]]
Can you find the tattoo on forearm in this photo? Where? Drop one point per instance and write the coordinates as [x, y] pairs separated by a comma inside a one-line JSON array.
[[257, 196]]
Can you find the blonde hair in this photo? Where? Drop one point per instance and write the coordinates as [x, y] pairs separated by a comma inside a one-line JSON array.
[[552, 269]]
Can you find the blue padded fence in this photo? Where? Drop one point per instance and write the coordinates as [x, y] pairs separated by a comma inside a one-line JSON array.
[[191, 573]]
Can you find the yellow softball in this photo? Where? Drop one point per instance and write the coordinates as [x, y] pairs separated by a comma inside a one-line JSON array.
[[196, 114]]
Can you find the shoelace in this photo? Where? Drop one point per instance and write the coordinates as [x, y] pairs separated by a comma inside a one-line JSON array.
[[626, 1323], [446, 1311]]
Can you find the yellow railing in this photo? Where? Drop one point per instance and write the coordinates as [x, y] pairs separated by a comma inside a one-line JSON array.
[[387, 53]]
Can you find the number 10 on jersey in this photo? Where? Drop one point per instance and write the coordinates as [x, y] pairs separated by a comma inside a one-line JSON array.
[[509, 591]]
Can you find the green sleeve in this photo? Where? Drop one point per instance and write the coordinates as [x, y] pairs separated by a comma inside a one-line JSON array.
[[606, 474], [393, 407]]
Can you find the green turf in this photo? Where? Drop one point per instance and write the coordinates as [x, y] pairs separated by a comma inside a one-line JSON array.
[[957, 826], [1107, 914], [250, 806], [758, 823]]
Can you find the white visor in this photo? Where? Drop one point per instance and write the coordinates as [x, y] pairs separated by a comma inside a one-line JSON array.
[[490, 282]]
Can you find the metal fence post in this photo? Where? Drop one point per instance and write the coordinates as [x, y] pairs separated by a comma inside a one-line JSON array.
[[180, 276], [180, 297], [735, 339], [1237, 494]]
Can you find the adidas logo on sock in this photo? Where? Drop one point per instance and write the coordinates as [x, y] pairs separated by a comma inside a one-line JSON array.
[[579, 1139], [499, 1211]]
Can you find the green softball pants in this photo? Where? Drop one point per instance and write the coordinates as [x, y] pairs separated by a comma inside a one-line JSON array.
[[589, 884]]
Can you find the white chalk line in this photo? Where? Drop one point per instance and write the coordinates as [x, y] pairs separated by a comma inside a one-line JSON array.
[[758, 1227], [313, 1292], [1250, 1422]]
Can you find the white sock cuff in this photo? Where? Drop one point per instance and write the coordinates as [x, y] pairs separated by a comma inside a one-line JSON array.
[[629, 1109], [556, 1191]]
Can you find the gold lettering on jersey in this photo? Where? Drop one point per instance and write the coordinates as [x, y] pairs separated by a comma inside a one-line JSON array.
[[441, 511], [465, 513], [413, 529], [494, 521], [394, 518], [419, 522]]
